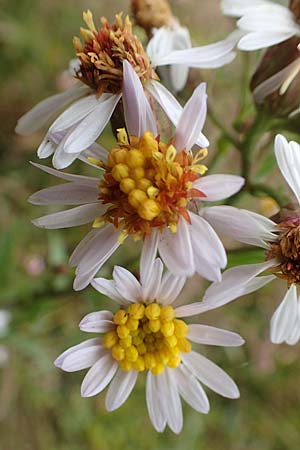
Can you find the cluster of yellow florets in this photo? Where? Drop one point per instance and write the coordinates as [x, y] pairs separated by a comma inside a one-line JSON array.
[[147, 337], [104, 51], [148, 184]]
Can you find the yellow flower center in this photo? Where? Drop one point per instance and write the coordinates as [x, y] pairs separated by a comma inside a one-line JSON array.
[[147, 337], [148, 184], [104, 50]]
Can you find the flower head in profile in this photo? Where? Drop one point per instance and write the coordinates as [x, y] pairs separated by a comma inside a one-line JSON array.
[[282, 244], [147, 334], [149, 190], [92, 101]]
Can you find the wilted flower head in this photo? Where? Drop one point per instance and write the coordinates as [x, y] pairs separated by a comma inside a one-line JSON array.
[[147, 334]]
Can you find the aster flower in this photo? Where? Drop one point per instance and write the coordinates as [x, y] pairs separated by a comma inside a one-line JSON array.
[[264, 23], [149, 190], [94, 98], [281, 242], [147, 333]]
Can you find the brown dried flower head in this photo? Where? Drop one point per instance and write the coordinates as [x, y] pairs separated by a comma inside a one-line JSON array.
[[287, 250], [151, 13], [104, 50]]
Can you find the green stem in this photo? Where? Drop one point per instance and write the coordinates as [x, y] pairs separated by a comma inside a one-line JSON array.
[[215, 120]]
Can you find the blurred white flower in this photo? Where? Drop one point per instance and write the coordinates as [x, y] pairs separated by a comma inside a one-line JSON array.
[[264, 23], [146, 334], [101, 72], [282, 244], [149, 190], [5, 318]]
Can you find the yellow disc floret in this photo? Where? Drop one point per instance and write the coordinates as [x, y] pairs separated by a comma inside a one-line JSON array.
[[147, 184], [147, 337]]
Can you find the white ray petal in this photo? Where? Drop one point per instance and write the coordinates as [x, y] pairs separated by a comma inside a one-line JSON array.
[[259, 40], [46, 148], [65, 194], [75, 113], [271, 18], [97, 322], [38, 116], [99, 375], [219, 187], [284, 317], [204, 334], [153, 399], [108, 288], [173, 409], [138, 115], [237, 8], [151, 289], [83, 358], [288, 160], [171, 107], [120, 388], [89, 129], [148, 256], [126, 284], [90, 181], [241, 225], [210, 374], [71, 217], [176, 250], [171, 286], [191, 390], [192, 119], [85, 344]]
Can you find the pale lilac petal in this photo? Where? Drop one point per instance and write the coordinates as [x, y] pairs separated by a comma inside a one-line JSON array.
[[83, 358], [171, 286], [85, 344], [148, 255], [97, 322], [120, 388], [150, 290], [65, 194], [99, 376], [191, 390], [79, 251], [126, 284], [284, 317], [210, 374], [38, 116], [204, 334], [192, 119], [176, 250], [95, 151], [218, 187], [91, 181], [138, 115], [89, 129], [108, 288], [241, 225], [70, 218], [171, 107], [288, 160], [153, 399], [75, 113], [62, 159]]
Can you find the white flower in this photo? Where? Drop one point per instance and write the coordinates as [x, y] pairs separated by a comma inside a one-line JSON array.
[[90, 105], [149, 190], [171, 46], [281, 242], [145, 334]]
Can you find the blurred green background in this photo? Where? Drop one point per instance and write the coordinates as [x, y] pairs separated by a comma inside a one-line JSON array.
[[41, 407]]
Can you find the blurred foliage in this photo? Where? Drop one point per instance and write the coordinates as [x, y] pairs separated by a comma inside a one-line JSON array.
[[41, 407]]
